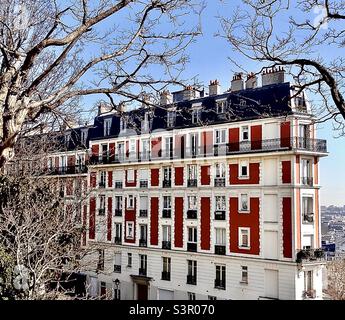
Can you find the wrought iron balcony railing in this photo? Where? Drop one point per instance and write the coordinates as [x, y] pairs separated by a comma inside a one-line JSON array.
[[166, 183], [117, 268], [192, 183], [118, 213], [166, 213], [219, 182], [144, 184], [192, 214], [307, 181], [308, 217], [143, 213], [166, 245], [118, 185], [267, 145], [219, 215], [310, 255], [219, 249], [142, 242], [192, 247], [78, 169]]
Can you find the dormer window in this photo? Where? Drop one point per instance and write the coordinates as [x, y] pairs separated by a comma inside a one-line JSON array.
[[171, 117], [145, 123], [221, 106], [107, 126], [67, 137], [123, 124], [196, 115]]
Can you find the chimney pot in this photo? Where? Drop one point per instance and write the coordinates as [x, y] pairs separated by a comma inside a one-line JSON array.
[[237, 82], [214, 88]]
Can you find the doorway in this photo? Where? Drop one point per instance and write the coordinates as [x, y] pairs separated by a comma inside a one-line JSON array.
[[142, 292]]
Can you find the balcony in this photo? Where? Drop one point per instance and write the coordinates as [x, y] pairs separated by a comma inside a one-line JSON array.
[[101, 184], [166, 275], [144, 184], [192, 214], [166, 183], [308, 217], [101, 212], [118, 240], [117, 268], [219, 215], [118, 185], [219, 182], [118, 213], [307, 181], [166, 245], [191, 279], [166, 213], [219, 284], [142, 272], [310, 255], [142, 242], [78, 169], [143, 213], [192, 247], [219, 249], [192, 183]]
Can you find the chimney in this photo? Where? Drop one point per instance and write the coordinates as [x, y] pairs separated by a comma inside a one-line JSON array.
[[166, 98], [252, 81], [237, 82], [214, 88], [188, 93], [103, 108], [273, 75]]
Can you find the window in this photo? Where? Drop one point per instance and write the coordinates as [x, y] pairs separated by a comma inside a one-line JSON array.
[[167, 173], [166, 202], [220, 236], [220, 277], [220, 136], [220, 203], [171, 117], [107, 126], [191, 296], [121, 150], [192, 234], [143, 203], [103, 289], [102, 178], [169, 147], [194, 144], [244, 237], [244, 274], [130, 201], [196, 116], [308, 281], [123, 124], [130, 175], [83, 137], [132, 144], [166, 231], [67, 138], [118, 230], [166, 264], [220, 170], [244, 169], [142, 264], [244, 205], [118, 176], [245, 133], [63, 161], [117, 262], [221, 106], [145, 125], [192, 172], [192, 268], [306, 173], [129, 260], [192, 203], [145, 147], [308, 209], [118, 202], [50, 163], [101, 204], [212, 298], [130, 230]]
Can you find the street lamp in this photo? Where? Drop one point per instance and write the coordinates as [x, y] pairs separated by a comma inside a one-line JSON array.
[[116, 289]]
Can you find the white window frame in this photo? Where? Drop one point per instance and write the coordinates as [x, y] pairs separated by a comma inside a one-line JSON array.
[[243, 164], [244, 271], [106, 127], [192, 204], [167, 202], [221, 106], [243, 130], [220, 170], [129, 229], [192, 234], [132, 147], [192, 171], [220, 136], [171, 118], [241, 209], [129, 259], [145, 202], [130, 201], [220, 236], [196, 115], [130, 175], [241, 231], [166, 232]]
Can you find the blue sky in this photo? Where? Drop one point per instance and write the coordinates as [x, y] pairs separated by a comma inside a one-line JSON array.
[[209, 61]]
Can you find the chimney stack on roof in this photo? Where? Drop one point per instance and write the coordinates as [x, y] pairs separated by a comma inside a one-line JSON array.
[[237, 82], [252, 81], [166, 98], [273, 75], [214, 88]]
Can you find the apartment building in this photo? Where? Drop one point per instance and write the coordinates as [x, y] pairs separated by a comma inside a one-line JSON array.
[[206, 196]]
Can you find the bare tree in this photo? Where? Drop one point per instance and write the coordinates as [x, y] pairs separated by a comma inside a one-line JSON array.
[[336, 279], [54, 52], [305, 36]]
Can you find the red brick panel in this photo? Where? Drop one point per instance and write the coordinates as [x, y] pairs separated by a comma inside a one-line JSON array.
[[179, 176], [92, 218], [110, 209], [110, 179], [245, 220], [205, 223], [285, 134], [154, 221], [286, 171], [179, 222], [287, 228], [112, 151], [254, 174], [205, 175], [154, 177], [256, 137], [234, 139]]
